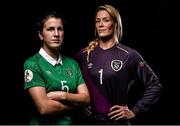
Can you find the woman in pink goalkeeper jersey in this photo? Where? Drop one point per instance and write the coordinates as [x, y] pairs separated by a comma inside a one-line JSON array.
[[110, 69]]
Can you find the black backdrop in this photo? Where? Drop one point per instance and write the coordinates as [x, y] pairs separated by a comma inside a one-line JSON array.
[[145, 26]]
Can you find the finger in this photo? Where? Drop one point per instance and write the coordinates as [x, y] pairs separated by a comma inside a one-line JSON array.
[[115, 107], [89, 107], [88, 111], [114, 112], [117, 115], [120, 117]]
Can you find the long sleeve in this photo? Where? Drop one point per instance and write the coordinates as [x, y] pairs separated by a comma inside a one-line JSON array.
[[152, 87]]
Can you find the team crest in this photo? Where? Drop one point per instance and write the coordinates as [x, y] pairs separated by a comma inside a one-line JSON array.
[[28, 75], [69, 72], [116, 65]]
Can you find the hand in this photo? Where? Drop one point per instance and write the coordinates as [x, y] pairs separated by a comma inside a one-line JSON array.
[[57, 95], [118, 112], [87, 111]]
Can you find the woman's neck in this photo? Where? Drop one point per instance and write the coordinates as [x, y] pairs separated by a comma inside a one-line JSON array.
[[107, 44], [54, 53]]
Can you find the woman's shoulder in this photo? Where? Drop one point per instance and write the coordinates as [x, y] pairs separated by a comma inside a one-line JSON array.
[[131, 52], [32, 60], [67, 58], [125, 48]]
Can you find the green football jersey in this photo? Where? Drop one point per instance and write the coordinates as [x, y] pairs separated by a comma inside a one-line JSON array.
[[60, 77]]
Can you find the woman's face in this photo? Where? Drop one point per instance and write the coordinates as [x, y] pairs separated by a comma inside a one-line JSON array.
[[104, 24], [52, 33]]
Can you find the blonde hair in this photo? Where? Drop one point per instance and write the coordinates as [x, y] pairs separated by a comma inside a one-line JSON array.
[[118, 30], [91, 46]]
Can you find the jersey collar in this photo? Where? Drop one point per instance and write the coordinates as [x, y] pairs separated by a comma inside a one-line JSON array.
[[48, 58]]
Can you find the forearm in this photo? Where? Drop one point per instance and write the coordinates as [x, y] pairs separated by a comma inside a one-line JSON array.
[[78, 99], [53, 107], [152, 89], [46, 105], [81, 98], [70, 98], [150, 97]]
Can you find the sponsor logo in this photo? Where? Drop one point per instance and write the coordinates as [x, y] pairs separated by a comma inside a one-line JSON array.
[[90, 65]]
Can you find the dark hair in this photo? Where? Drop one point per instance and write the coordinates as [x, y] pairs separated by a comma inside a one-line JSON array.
[[46, 16]]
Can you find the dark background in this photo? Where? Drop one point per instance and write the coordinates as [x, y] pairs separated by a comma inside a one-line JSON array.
[[146, 29]]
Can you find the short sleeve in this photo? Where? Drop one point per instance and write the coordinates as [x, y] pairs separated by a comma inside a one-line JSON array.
[[32, 75]]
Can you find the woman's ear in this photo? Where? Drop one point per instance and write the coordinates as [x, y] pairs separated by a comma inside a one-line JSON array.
[[40, 35]]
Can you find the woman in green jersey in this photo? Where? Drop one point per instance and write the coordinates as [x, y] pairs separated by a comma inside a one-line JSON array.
[[53, 80]]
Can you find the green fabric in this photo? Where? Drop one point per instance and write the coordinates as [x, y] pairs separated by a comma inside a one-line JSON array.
[[64, 77]]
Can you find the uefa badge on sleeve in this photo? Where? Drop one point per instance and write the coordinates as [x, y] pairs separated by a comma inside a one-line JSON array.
[[28, 75]]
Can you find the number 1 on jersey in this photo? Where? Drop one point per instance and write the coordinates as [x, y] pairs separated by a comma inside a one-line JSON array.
[[101, 73]]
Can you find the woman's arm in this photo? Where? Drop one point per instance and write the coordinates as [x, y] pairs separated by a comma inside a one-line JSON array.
[[44, 104], [151, 85], [81, 98]]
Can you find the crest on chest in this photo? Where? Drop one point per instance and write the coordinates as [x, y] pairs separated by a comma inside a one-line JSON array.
[[116, 65]]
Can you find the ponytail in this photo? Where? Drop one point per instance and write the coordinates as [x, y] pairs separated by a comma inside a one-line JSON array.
[[91, 46]]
